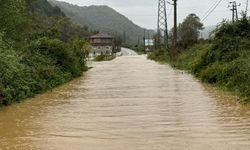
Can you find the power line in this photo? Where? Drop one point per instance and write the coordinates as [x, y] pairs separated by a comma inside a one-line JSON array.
[[212, 10]]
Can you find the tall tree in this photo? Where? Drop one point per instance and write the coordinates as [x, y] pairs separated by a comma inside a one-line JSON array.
[[189, 30]]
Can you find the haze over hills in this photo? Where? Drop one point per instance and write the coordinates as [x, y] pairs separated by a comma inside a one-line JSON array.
[[205, 33], [103, 19]]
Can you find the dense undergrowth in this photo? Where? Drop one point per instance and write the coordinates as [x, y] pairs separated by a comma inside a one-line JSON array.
[[224, 62], [39, 49]]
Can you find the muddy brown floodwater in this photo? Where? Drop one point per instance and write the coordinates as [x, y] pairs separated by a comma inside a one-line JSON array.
[[130, 103]]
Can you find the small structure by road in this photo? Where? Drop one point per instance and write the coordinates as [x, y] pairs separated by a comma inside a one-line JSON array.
[[102, 44]]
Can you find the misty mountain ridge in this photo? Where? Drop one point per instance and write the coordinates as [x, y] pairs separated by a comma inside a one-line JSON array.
[[103, 19]]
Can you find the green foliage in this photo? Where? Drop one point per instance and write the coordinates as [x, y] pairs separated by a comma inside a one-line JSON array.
[[233, 75], [39, 49], [25, 20], [64, 56], [10, 74], [188, 31], [190, 59], [42, 7], [40, 66], [104, 58], [225, 62], [159, 56], [14, 19], [81, 49]]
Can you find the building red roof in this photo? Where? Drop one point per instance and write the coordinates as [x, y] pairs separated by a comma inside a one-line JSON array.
[[101, 35]]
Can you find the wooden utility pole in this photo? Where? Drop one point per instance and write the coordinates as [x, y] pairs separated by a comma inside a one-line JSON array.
[[175, 24], [148, 38], [144, 38], [234, 10]]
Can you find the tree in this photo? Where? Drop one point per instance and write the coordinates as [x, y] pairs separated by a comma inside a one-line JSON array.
[[14, 18], [189, 31]]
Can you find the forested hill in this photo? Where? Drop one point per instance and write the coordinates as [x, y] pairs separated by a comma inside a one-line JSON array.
[[102, 18]]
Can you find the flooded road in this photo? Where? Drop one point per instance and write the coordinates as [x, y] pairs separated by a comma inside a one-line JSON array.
[[130, 103]]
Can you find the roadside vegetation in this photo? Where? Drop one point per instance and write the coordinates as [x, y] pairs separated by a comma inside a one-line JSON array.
[[104, 57], [39, 49], [223, 61]]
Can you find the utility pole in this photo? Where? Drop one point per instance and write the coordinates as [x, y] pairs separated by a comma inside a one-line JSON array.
[[234, 8], [175, 24], [162, 27], [148, 38], [247, 1], [144, 38]]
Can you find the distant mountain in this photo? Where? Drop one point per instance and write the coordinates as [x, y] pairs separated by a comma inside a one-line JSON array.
[[205, 33], [103, 19]]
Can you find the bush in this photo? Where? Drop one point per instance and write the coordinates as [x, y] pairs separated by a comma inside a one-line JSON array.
[[225, 62], [161, 56], [11, 75], [104, 58], [70, 58], [233, 75], [30, 62], [40, 66]]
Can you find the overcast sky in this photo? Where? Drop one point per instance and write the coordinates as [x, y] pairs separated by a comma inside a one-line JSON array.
[[144, 12]]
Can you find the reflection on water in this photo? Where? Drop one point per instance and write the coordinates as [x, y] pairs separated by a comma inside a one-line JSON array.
[[129, 103]]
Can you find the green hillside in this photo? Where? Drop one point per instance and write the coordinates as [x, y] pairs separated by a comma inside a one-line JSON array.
[[39, 49], [102, 18]]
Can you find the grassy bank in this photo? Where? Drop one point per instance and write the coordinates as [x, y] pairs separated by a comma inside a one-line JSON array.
[[224, 63]]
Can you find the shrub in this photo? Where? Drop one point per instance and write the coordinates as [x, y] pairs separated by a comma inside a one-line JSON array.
[[70, 58], [225, 62], [40, 66], [11, 75], [104, 58]]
